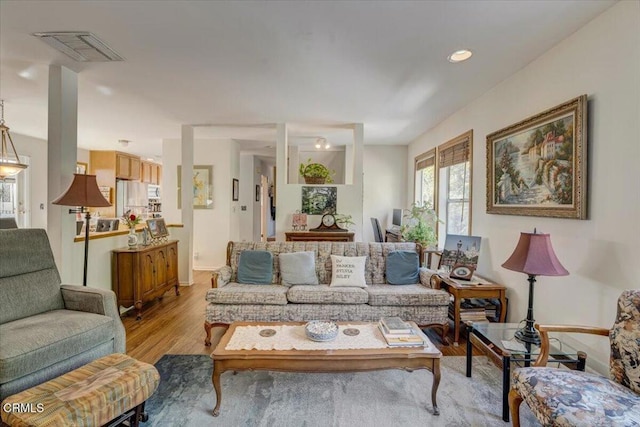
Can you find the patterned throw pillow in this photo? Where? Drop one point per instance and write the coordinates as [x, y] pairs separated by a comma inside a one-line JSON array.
[[348, 271], [255, 267], [403, 268], [298, 268]]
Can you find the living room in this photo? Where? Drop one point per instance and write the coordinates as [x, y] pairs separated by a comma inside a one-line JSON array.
[[598, 57]]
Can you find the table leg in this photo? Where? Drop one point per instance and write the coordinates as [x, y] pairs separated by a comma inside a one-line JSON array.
[[216, 385], [506, 385], [469, 351], [434, 388], [456, 320]]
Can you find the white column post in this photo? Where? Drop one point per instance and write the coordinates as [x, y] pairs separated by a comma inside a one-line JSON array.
[[62, 149], [358, 178], [186, 201]]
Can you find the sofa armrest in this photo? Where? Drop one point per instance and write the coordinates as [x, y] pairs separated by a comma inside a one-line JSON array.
[[221, 277], [97, 301], [429, 278]]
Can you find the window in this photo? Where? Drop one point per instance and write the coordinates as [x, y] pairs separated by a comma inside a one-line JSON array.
[[454, 166], [425, 179], [447, 191]]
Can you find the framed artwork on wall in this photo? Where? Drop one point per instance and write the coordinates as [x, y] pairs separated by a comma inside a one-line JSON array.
[[538, 167], [257, 193], [202, 187], [319, 200]]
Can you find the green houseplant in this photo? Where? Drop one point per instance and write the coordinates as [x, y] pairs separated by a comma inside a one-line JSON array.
[[315, 173], [344, 221], [420, 225]]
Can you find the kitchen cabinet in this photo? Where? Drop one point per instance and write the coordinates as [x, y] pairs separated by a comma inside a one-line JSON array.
[[145, 273], [109, 165], [150, 173], [127, 167]]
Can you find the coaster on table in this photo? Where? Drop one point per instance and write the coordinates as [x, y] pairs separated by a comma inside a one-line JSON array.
[[267, 333]]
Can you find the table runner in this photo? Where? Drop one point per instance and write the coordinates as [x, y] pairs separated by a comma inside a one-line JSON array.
[[293, 337]]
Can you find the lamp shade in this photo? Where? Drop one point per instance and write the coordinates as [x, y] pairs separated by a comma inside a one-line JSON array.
[[534, 255], [83, 191]]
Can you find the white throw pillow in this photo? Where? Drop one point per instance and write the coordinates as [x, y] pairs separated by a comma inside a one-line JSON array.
[[348, 271], [298, 268]]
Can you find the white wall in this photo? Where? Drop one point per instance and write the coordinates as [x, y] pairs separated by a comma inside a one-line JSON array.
[[213, 228], [602, 59], [385, 171], [36, 150]]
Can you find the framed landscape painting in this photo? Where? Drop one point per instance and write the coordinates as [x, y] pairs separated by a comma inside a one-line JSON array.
[[460, 249], [538, 167]]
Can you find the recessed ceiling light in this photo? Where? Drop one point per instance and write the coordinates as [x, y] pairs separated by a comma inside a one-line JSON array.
[[459, 55], [29, 73], [104, 90]]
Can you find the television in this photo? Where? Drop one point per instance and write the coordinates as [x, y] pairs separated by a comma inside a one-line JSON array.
[[396, 220]]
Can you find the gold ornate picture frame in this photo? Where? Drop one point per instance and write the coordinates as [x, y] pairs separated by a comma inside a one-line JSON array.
[[538, 167]]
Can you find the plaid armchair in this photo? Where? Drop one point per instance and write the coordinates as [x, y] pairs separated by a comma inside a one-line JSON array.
[[560, 397]]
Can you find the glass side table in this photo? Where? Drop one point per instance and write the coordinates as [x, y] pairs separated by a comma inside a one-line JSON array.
[[489, 337]]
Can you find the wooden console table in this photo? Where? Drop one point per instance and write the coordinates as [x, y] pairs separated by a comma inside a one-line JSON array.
[[144, 273], [319, 236], [460, 291]]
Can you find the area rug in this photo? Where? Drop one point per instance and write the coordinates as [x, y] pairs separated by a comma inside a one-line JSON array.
[[185, 397]]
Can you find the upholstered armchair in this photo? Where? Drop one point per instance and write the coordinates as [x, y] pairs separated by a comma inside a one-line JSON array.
[[47, 329], [561, 397]]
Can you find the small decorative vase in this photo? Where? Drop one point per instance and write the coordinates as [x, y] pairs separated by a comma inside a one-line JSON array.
[[132, 238]]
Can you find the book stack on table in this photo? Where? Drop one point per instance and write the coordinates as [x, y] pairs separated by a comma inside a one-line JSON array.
[[398, 333]]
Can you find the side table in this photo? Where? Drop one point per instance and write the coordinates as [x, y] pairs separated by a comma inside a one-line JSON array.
[[478, 288], [489, 337]]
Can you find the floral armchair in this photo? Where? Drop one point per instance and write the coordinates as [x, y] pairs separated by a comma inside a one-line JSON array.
[[561, 397]]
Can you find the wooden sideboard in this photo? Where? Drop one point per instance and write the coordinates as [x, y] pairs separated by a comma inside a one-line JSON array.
[[144, 273], [319, 236]]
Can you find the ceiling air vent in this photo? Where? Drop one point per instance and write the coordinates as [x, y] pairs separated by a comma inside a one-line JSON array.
[[81, 46]]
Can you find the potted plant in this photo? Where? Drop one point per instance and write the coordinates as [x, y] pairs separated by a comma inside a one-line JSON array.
[[344, 221], [420, 225], [315, 173]]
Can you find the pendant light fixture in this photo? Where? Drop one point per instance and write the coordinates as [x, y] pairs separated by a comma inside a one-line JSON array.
[[9, 163]]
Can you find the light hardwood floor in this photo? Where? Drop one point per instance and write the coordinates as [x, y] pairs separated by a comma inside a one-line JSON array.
[[174, 325]]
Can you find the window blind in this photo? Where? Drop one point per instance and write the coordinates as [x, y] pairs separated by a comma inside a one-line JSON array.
[[454, 154], [426, 160]]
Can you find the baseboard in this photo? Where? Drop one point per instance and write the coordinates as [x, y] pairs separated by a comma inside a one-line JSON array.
[[205, 268]]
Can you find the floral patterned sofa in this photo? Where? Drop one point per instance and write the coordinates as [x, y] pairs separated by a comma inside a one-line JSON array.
[[560, 397], [229, 301]]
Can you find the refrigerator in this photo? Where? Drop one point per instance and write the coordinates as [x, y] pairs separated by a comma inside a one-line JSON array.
[[131, 195]]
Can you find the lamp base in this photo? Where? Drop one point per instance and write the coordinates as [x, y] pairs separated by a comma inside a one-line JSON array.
[[530, 336]]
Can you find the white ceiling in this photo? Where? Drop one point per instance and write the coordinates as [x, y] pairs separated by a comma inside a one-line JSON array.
[[312, 63]]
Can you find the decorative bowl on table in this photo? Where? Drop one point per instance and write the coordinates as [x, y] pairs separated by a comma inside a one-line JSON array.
[[320, 330]]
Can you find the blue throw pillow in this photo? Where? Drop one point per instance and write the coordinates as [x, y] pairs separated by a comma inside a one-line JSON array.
[[403, 268], [255, 267]]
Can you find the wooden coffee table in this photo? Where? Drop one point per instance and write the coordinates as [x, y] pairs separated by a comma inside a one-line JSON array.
[[353, 360]]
